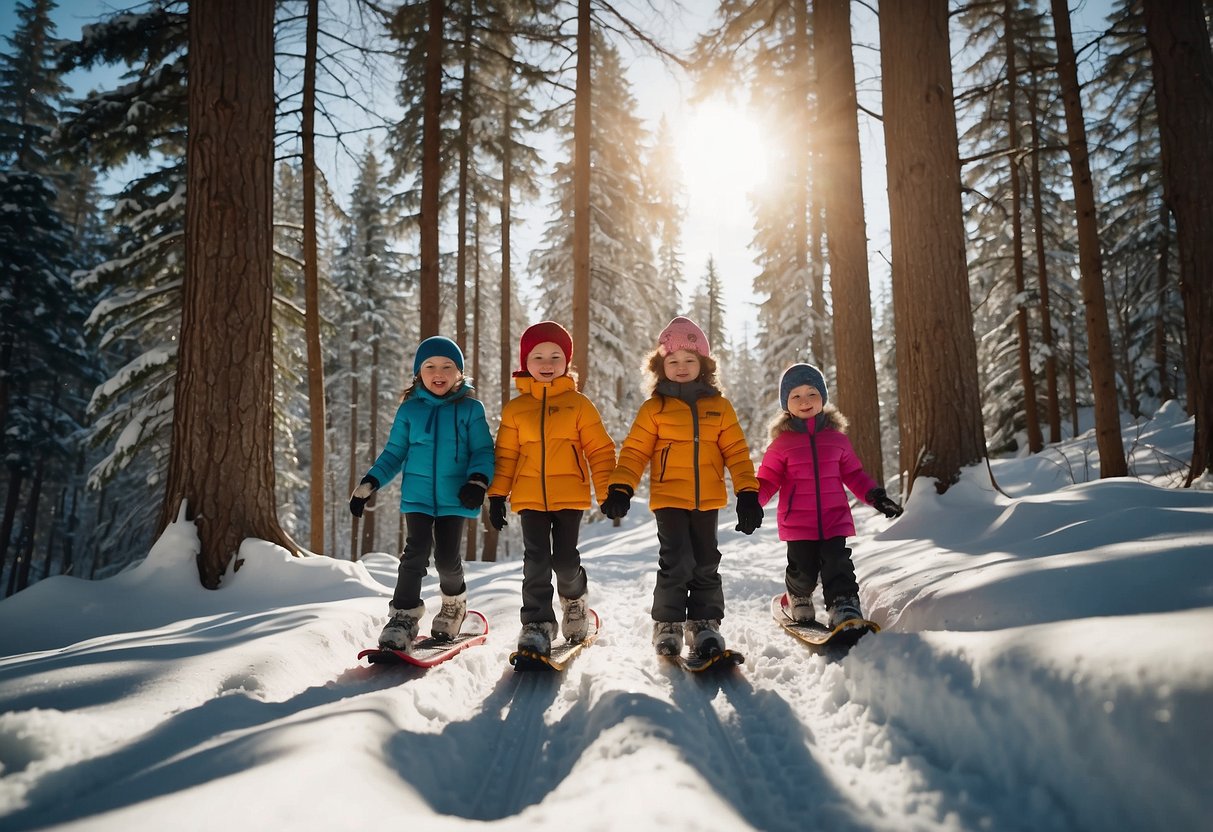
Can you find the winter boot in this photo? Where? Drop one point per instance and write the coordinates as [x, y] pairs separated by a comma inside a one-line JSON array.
[[449, 620], [401, 629], [844, 609], [575, 626], [536, 637], [667, 637], [703, 636], [801, 608]]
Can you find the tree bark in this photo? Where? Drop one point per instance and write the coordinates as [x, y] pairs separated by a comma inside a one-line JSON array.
[[941, 428], [311, 285], [1183, 83], [221, 467], [352, 482], [465, 153], [846, 231], [1026, 379], [431, 173], [581, 197], [1090, 261]]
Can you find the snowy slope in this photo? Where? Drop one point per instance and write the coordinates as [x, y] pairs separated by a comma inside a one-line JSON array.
[[1046, 665]]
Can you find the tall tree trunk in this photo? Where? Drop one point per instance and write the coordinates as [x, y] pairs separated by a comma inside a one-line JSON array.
[[354, 467], [1026, 379], [1161, 285], [469, 552], [1183, 84], [802, 179], [941, 428], [489, 551], [12, 499], [221, 467], [29, 528], [370, 515], [311, 285], [465, 153], [1042, 271], [431, 172], [846, 230], [581, 196], [508, 348], [1090, 261]]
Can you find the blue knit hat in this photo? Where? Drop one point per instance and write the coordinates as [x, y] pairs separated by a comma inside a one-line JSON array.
[[437, 346], [797, 375]]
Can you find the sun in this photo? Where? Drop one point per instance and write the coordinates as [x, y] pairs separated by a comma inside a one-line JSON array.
[[723, 154]]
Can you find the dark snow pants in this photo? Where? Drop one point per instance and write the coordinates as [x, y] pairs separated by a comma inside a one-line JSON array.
[[424, 533], [829, 558], [688, 566], [549, 544]]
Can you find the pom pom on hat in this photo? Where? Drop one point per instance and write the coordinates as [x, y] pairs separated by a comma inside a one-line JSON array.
[[539, 333], [797, 375], [682, 334], [436, 346]]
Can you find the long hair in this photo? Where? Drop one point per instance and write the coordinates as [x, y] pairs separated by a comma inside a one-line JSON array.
[[654, 368]]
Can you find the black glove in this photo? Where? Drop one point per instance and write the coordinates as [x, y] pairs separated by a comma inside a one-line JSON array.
[[497, 513], [749, 513], [618, 501], [881, 502], [362, 493], [471, 495]]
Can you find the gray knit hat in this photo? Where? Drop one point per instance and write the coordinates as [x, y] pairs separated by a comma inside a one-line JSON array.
[[797, 375]]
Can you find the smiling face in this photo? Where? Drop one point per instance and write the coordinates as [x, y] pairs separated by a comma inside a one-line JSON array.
[[546, 361], [440, 375], [804, 402], [681, 366]]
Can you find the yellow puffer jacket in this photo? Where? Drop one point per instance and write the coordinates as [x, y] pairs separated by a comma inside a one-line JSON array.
[[686, 473], [550, 444]]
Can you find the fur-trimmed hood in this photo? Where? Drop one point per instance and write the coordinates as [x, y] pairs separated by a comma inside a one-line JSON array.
[[830, 417]]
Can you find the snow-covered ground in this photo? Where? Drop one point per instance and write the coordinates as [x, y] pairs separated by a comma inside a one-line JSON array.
[[1046, 664]]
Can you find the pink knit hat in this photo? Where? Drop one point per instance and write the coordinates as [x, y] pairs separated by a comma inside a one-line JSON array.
[[682, 334]]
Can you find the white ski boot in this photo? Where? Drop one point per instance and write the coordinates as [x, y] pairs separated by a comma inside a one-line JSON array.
[[401, 629], [536, 637], [667, 637], [844, 609], [575, 626], [703, 636], [801, 608], [449, 620]]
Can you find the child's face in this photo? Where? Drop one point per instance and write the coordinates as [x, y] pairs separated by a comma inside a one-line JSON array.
[[440, 375], [681, 366], [546, 361], [804, 402]]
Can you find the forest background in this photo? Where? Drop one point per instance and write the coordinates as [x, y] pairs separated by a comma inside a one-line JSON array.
[[475, 186]]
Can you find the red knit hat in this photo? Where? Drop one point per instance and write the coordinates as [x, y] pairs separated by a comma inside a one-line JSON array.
[[537, 334]]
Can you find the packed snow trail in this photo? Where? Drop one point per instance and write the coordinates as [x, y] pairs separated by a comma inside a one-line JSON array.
[[146, 702]]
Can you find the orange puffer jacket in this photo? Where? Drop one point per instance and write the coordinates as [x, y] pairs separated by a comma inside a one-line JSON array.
[[550, 444], [688, 454]]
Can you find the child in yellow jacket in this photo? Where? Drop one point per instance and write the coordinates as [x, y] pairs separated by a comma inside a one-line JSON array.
[[551, 443], [687, 433]]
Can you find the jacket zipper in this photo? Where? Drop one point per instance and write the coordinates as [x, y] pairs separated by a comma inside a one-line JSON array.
[[695, 447], [543, 447], [817, 480]]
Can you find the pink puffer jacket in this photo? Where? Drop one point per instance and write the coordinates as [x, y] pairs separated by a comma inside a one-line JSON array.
[[809, 471]]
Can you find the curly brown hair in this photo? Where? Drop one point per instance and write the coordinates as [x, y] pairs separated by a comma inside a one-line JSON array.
[[654, 368]]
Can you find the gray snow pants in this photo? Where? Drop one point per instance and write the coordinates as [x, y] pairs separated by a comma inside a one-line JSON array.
[[688, 566], [829, 558], [549, 544], [423, 533]]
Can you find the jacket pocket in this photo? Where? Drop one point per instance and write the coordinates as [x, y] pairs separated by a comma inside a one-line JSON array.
[[665, 456], [577, 464]]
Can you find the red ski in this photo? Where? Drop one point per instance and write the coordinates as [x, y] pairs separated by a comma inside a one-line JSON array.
[[431, 651]]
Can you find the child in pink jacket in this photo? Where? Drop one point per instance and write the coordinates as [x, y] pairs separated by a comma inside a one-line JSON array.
[[808, 462]]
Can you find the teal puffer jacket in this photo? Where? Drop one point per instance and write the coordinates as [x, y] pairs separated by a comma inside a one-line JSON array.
[[438, 443]]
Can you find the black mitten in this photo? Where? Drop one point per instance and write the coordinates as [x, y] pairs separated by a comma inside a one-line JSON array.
[[497, 513], [749, 513], [882, 503], [362, 493], [618, 501], [471, 494]]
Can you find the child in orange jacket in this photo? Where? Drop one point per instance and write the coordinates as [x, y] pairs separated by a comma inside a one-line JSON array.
[[551, 443], [687, 433]]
